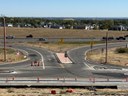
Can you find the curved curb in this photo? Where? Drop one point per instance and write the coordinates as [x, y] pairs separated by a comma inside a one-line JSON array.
[[91, 61], [70, 57], [58, 60], [63, 59]]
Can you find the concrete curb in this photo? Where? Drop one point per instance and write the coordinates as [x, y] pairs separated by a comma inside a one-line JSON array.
[[63, 59], [57, 58], [70, 57], [24, 53]]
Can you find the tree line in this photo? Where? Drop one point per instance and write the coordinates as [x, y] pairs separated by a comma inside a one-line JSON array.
[[39, 22]]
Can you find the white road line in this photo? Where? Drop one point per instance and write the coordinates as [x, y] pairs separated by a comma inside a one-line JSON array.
[[88, 66], [62, 66], [23, 51], [42, 59]]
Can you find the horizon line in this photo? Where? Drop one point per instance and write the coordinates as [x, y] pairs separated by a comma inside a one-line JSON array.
[[63, 17]]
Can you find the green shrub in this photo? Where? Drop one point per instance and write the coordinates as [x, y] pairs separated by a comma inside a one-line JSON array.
[[9, 51], [122, 50]]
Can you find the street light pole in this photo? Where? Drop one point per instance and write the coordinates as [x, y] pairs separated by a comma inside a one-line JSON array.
[[106, 55], [4, 24]]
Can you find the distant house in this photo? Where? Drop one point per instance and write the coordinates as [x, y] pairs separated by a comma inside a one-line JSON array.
[[56, 26], [89, 27], [118, 28], [28, 25], [79, 27], [45, 26], [18, 25], [9, 25], [86, 27], [127, 28]]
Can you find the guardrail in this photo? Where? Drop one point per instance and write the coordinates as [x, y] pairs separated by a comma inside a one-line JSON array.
[[39, 81]]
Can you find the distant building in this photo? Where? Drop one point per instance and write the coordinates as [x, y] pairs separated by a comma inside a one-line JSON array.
[[28, 25], [86, 27], [118, 28], [56, 26], [89, 27], [79, 27], [45, 26], [9, 25]]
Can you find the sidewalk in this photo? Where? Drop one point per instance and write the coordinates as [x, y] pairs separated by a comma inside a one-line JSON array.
[[63, 59]]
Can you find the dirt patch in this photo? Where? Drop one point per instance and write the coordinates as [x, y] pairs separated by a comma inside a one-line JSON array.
[[11, 55], [113, 57], [59, 92], [55, 47], [39, 92]]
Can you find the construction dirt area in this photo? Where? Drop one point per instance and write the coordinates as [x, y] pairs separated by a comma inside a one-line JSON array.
[[61, 92]]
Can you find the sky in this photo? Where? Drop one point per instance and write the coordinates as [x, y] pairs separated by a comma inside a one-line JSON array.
[[64, 8]]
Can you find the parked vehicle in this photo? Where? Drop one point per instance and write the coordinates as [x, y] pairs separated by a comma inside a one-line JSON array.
[[10, 37], [29, 36], [126, 36], [120, 38], [42, 39], [109, 38]]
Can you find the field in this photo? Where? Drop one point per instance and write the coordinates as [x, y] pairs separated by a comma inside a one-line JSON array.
[[55, 47], [42, 32]]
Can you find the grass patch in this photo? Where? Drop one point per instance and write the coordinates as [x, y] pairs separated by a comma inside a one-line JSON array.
[[113, 57], [65, 33], [9, 51], [56, 47], [11, 55]]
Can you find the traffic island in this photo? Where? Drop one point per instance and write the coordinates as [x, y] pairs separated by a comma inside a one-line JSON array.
[[63, 58], [12, 56]]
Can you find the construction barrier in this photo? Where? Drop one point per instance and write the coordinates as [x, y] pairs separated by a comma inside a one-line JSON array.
[[53, 91]]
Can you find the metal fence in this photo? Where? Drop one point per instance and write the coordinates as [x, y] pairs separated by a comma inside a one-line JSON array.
[[39, 81]]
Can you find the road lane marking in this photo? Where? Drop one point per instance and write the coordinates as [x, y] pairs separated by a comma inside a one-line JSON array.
[[88, 66], [42, 58], [62, 66]]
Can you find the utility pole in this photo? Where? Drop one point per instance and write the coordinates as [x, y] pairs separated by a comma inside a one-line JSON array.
[[91, 44], [4, 24], [106, 55]]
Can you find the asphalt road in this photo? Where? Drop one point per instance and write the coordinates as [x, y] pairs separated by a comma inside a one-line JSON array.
[[24, 69], [51, 68], [52, 40], [93, 69]]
